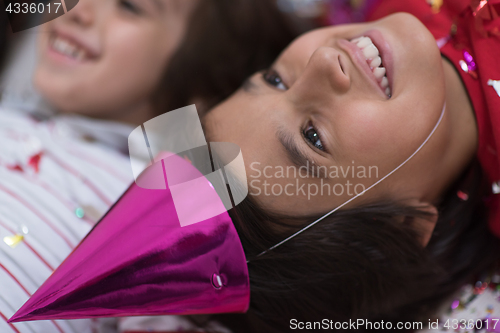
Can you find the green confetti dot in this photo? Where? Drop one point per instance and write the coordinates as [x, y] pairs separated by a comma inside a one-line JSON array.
[[80, 213]]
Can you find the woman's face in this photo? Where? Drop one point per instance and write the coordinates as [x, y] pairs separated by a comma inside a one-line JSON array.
[[324, 104], [105, 57]]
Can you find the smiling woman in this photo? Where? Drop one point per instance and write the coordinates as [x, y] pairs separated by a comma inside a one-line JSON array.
[[373, 94], [325, 99]]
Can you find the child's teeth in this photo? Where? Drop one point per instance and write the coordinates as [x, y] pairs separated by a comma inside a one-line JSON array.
[[370, 52], [388, 91], [379, 73], [384, 83], [68, 49], [376, 62], [79, 55]]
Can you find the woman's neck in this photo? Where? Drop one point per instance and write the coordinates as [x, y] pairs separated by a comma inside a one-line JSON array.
[[460, 135], [459, 104], [464, 133]]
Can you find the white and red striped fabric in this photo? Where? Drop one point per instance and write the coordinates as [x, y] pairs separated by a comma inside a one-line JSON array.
[[48, 174], [167, 324]]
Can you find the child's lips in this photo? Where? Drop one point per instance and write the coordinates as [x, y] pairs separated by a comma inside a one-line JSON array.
[[67, 48], [71, 48]]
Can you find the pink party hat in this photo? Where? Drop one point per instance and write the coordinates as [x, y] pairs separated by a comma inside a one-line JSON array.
[[141, 260]]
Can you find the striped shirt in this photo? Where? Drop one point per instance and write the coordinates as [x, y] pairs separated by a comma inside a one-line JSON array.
[[54, 186]]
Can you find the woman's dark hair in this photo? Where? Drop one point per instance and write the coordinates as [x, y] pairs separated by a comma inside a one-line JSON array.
[[362, 263], [226, 41]]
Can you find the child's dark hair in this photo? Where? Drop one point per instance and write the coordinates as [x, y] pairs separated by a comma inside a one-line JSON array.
[[3, 35], [362, 263], [226, 41]]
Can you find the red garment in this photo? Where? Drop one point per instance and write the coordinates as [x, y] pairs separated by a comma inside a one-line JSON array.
[[471, 26]]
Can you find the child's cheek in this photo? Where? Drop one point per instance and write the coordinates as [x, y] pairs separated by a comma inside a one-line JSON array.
[[127, 52]]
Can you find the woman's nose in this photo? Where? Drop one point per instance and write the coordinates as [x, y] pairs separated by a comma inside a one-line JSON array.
[[324, 76], [83, 13]]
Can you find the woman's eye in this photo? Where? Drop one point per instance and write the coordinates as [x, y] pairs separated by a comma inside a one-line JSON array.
[[313, 137], [274, 79], [130, 6]]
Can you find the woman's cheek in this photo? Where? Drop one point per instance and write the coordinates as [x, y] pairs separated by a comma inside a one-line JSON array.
[[365, 132]]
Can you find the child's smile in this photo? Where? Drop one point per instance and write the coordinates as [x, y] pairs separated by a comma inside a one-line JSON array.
[[105, 58], [71, 48]]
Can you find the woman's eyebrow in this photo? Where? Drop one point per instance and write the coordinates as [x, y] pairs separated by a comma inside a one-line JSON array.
[[300, 159]]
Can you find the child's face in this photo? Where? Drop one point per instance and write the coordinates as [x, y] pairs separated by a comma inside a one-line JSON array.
[[105, 57], [321, 102]]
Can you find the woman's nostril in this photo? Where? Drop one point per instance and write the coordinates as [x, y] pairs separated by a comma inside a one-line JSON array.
[[341, 67]]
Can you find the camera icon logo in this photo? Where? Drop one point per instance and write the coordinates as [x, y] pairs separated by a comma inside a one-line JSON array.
[[205, 179]]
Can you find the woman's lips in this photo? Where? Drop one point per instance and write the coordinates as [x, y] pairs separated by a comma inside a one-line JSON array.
[[374, 60], [385, 53], [358, 57]]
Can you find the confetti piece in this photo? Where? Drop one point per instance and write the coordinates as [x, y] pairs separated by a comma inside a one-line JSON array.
[[13, 241], [477, 6], [471, 64], [80, 213], [462, 195], [495, 188], [34, 162], [464, 66], [435, 5], [496, 85], [16, 167]]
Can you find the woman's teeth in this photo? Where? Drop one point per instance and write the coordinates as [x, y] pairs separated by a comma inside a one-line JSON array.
[[374, 60], [68, 48]]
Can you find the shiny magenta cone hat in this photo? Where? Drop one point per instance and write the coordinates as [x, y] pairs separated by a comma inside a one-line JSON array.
[[141, 260]]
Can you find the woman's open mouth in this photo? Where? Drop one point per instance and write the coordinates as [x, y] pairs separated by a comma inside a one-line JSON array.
[[374, 60]]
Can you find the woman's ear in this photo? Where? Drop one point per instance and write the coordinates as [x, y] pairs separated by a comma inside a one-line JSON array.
[[425, 225]]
